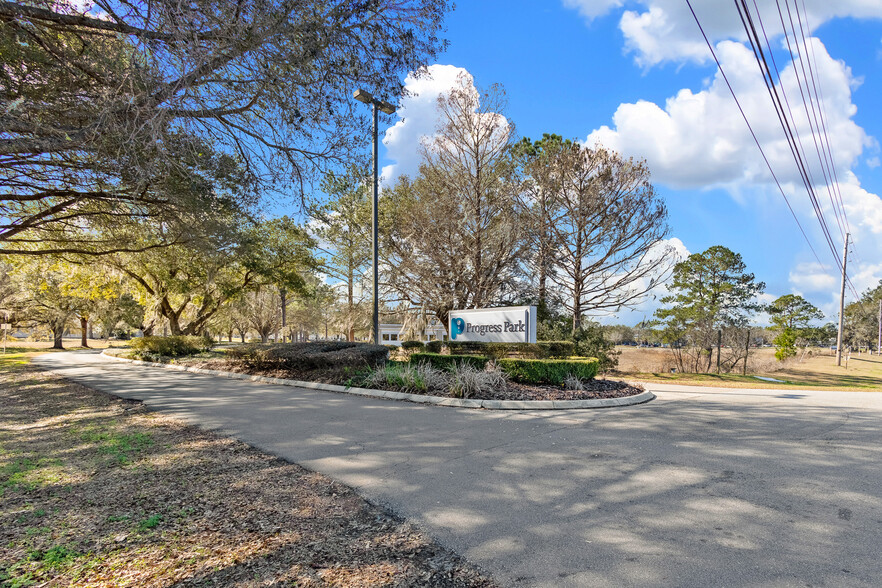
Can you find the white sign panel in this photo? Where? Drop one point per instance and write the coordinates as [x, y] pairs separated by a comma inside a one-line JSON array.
[[511, 324]]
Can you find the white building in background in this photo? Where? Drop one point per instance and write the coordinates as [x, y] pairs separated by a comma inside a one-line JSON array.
[[391, 333]]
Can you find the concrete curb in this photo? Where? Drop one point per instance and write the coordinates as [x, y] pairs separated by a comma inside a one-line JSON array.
[[418, 398]]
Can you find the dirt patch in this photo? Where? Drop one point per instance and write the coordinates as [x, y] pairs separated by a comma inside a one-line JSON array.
[[98, 491]]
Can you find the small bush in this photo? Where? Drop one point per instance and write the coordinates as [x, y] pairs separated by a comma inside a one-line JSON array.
[[412, 345], [434, 346], [448, 361], [174, 346], [310, 356], [548, 371]]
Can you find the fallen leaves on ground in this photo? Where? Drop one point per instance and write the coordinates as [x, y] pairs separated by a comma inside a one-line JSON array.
[[98, 491]]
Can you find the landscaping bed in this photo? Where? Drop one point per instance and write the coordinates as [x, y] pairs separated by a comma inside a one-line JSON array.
[[349, 375], [98, 491]]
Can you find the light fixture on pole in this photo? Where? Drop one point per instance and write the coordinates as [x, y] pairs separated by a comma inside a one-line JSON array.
[[377, 104]]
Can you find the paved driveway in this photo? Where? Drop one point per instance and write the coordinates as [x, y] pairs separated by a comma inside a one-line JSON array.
[[700, 487]]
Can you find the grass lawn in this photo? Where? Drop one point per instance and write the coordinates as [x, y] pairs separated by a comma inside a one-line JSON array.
[[98, 491], [863, 372]]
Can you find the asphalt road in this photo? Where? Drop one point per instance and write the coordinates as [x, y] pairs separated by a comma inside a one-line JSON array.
[[701, 487]]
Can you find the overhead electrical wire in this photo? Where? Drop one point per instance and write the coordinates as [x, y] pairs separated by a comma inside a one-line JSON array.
[[823, 110], [786, 117], [810, 94], [786, 124], [752, 133], [815, 128]]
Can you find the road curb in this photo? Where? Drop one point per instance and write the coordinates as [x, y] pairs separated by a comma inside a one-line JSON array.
[[641, 398]]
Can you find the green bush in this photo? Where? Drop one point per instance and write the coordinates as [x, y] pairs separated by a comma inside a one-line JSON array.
[[174, 346], [434, 346], [412, 345], [548, 371], [467, 347], [310, 356], [448, 361]]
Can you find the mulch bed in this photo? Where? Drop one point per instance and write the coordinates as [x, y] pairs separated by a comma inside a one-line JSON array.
[[98, 491], [595, 389]]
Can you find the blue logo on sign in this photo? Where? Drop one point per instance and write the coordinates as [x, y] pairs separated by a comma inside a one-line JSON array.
[[457, 326]]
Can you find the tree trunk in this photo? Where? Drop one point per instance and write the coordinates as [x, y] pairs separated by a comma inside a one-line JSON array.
[[57, 334], [719, 346], [84, 332]]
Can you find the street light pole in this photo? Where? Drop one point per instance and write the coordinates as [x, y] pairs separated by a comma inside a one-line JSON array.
[[376, 105]]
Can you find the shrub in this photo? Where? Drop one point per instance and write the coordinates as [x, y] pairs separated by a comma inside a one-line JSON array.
[[467, 347], [174, 346], [548, 371], [412, 345], [448, 361], [434, 346], [310, 356], [541, 350]]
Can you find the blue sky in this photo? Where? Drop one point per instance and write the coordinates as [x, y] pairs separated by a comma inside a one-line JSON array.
[[636, 76]]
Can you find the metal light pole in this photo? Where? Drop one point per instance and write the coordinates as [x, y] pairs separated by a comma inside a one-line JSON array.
[[377, 104]]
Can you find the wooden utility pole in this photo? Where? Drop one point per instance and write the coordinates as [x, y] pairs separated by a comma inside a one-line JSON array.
[[746, 353], [879, 340], [719, 346], [842, 303]]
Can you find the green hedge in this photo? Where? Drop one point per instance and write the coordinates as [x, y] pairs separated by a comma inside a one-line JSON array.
[[434, 346], [548, 371], [541, 350], [439, 361], [174, 346], [408, 345], [309, 356]]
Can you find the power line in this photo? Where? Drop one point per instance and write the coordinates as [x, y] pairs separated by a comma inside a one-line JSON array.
[[786, 125], [752, 133]]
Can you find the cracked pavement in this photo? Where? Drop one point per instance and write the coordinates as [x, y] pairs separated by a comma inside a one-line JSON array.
[[701, 487]]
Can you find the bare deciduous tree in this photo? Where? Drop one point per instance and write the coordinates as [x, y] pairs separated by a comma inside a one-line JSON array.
[[454, 235], [605, 223]]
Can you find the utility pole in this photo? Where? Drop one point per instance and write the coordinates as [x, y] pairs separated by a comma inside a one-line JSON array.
[[842, 303], [879, 340]]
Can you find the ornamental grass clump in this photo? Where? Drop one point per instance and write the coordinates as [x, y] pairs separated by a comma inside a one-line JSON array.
[[571, 382], [411, 378], [470, 382]]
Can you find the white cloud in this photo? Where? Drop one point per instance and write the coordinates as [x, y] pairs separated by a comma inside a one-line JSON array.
[[591, 9], [699, 139], [665, 30], [811, 277], [417, 111]]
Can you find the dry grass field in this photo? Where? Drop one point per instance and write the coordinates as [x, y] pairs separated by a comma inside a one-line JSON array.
[[818, 369]]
